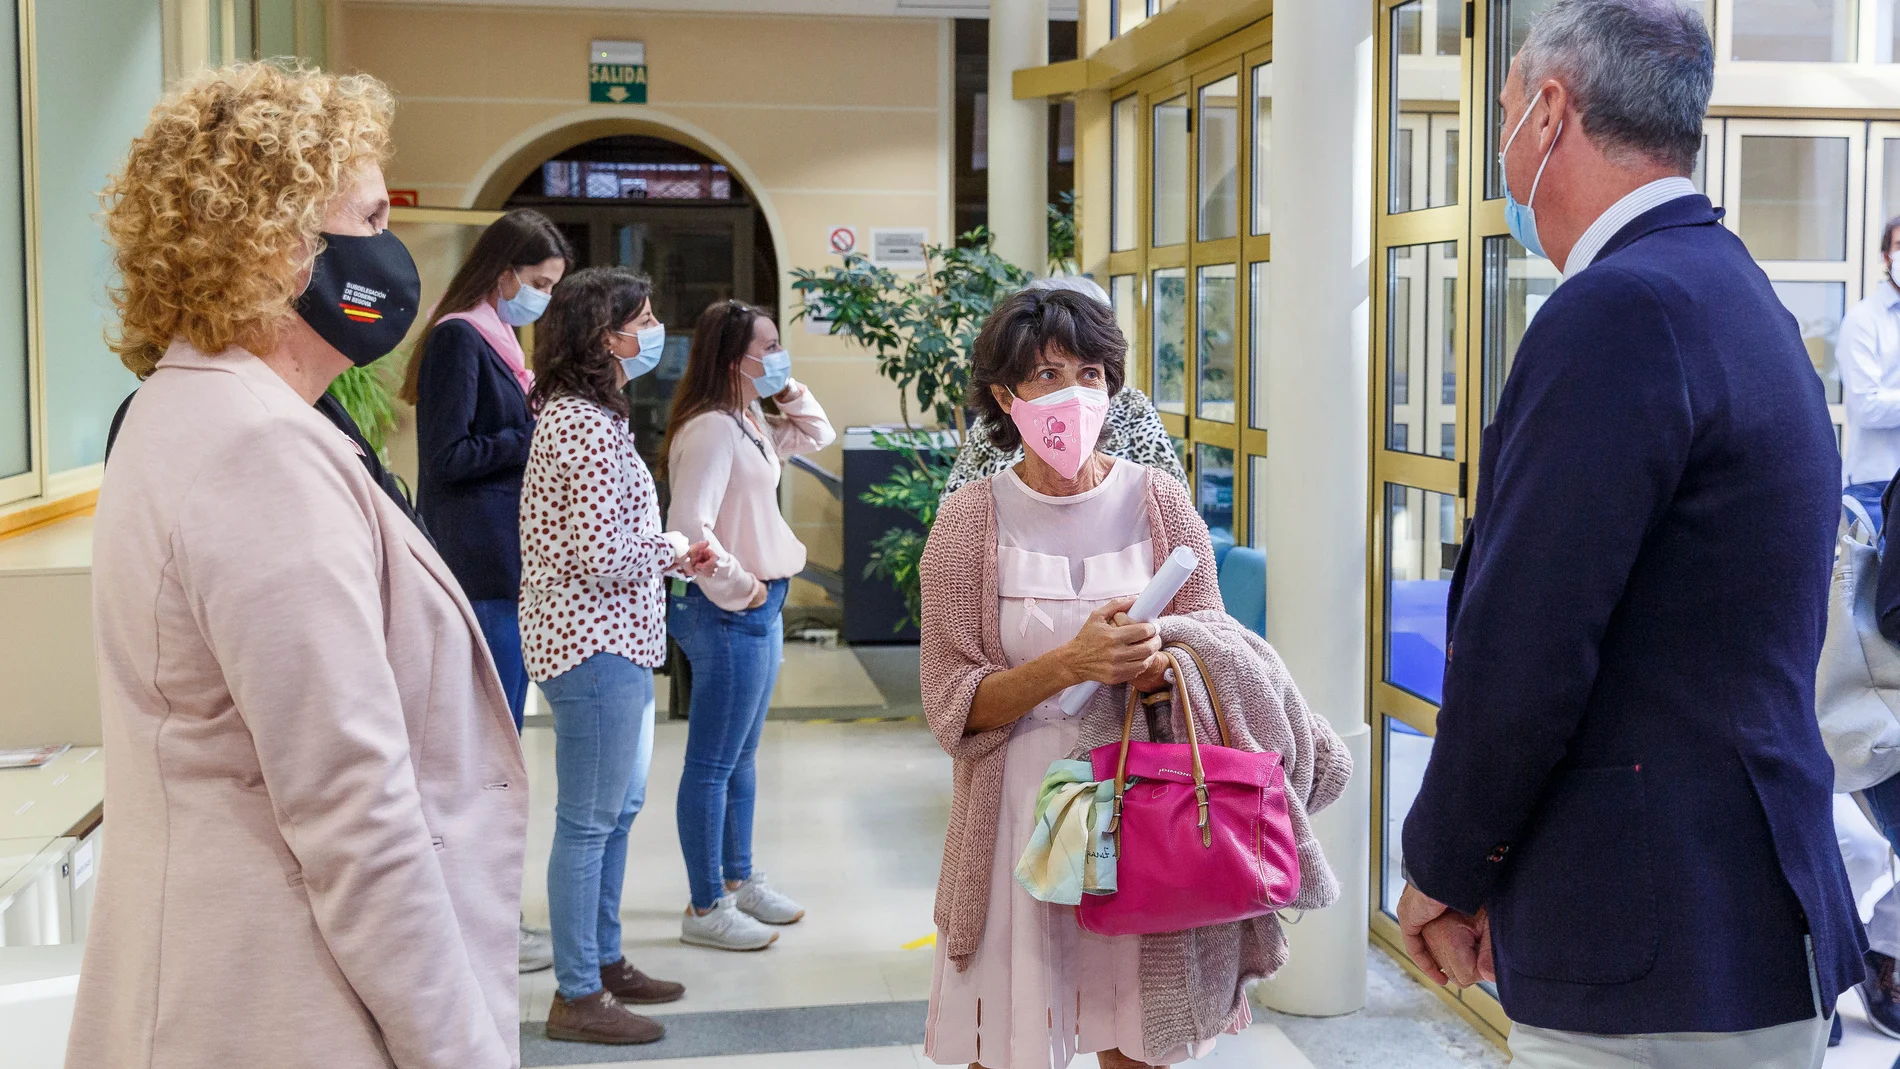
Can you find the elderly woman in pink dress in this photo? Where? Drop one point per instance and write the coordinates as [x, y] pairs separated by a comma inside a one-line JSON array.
[[1026, 582]]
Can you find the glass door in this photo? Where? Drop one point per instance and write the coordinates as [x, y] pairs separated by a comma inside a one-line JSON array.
[[1790, 189], [1189, 265], [1438, 228]]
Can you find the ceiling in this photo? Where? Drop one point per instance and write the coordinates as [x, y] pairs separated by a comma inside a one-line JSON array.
[[1060, 10]]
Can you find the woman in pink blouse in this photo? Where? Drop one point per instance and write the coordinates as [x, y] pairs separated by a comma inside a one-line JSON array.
[[593, 630], [722, 458]]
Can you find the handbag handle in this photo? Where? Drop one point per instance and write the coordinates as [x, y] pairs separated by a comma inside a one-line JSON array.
[[1194, 744]]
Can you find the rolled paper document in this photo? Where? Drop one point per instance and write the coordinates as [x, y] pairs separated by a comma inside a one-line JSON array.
[[1151, 603]]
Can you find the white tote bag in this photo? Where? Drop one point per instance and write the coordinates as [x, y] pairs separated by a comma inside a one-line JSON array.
[[1857, 690]]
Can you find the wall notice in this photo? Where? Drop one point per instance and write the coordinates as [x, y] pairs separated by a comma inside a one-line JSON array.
[[900, 248], [617, 72]]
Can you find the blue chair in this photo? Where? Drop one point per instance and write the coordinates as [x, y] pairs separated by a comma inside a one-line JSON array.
[[1223, 540], [1243, 587]]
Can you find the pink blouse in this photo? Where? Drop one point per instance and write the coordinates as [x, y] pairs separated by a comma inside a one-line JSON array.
[[724, 470], [593, 556]]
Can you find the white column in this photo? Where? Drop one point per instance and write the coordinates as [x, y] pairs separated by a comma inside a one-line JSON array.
[[1317, 382], [1018, 135]]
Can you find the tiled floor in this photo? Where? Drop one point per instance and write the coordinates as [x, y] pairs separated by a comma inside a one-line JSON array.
[[850, 821]]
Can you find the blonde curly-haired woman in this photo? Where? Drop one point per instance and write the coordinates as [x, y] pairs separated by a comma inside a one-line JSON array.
[[317, 797]]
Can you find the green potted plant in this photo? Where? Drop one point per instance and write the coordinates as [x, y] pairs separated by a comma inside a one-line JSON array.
[[366, 395], [921, 327]]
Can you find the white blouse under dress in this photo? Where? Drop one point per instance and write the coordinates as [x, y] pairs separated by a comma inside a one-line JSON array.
[[593, 553], [1040, 990]]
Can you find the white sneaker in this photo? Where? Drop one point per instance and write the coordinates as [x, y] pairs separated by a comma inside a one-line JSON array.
[[758, 900], [725, 928], [536, 948]]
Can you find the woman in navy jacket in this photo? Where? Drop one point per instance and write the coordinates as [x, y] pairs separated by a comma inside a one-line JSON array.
[[469, 382]]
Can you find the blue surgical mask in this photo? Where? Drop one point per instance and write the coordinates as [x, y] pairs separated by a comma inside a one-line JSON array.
[[778, 373], [525, 306], [1520, 218], [652, 346]]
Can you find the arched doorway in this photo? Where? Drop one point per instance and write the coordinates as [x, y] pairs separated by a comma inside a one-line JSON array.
[[673, 212]]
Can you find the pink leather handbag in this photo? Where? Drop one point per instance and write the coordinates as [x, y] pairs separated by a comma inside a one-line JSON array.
[[1202, 834]]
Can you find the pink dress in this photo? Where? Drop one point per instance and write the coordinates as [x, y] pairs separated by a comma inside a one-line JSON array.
[[1039, 989]]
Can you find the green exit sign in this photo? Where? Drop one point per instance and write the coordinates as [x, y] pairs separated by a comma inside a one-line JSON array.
[[617, 72]]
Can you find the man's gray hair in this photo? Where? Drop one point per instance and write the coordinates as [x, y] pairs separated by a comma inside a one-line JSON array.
[[1640, 72], [1081, 284]]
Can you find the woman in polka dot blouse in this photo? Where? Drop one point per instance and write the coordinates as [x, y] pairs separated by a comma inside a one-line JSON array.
[[593, 629]]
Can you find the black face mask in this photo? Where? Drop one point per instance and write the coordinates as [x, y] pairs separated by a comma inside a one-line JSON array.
[[362, 295]]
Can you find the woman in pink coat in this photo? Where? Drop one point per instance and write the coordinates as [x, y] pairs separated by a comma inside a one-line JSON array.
[[317, 801]]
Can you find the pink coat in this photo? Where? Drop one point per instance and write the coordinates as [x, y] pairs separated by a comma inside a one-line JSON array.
[[316, 798]]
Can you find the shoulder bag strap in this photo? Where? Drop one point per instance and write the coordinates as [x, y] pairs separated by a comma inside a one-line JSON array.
[[1207, 682]]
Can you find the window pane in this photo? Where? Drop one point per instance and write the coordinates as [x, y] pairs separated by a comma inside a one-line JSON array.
[[1421, 536], [1818, 308], [1516, 285], [1794, 197], [1424, 119], [1815, 31], [1123, 136], [1215, 320], [1257, 502], [85, 122], [1260, 313], [1121, 294], [1167, 333], [1128, 15], [1450, 21], [1421, 345], [1510, 24], [1890, 184], [1170, 172], [246, 30], [1407, 750], [1219, 160], [1214, 490], [16, 412], [1262, 148]]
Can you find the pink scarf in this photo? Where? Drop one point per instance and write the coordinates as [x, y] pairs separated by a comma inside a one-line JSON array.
[[487, 322]]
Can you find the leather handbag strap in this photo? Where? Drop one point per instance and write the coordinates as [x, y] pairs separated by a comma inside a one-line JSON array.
[[1194, 747], [1207, 684]]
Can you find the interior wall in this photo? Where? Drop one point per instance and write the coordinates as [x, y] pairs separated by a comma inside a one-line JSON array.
[[837, 121]]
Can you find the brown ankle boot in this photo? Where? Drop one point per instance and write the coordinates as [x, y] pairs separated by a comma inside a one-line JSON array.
[[600, 1018], [631, 985]]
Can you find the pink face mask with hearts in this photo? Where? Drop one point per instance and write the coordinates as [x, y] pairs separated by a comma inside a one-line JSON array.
[[1061, 427]]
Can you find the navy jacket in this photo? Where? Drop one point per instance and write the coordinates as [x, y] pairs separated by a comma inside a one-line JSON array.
[[1627, 771], [473, 427]]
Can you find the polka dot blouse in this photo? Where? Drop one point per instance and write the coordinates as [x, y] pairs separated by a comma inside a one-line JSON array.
[[593, 556]]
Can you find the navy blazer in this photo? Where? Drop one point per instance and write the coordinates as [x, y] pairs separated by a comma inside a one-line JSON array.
[[1627, 771], [473, 427]]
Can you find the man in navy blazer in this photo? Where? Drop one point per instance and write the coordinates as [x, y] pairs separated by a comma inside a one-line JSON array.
[[1626, 820]]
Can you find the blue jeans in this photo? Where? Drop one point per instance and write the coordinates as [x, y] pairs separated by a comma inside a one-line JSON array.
[[735, 658], [603, 746], [501, 627], [1868, 494], [1883, 800]]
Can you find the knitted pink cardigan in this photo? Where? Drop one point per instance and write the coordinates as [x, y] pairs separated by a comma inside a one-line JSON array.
[[1193, 983]]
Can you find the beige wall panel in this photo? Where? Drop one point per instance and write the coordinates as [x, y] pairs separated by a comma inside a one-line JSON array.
[[829, 148], [718, 58], [444, 145], [47, 680], [830, 120]]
